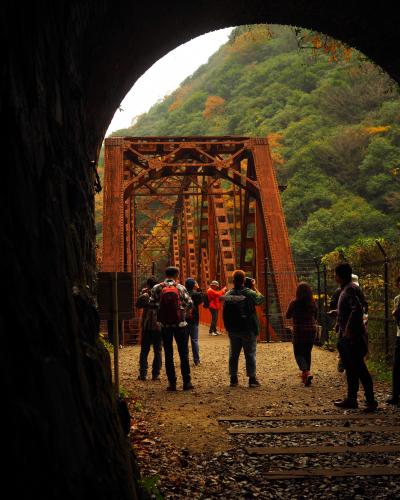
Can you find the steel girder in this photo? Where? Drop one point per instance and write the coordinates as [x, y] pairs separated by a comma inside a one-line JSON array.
[[178, 200]]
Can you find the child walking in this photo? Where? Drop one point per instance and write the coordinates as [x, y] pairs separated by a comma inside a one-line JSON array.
[[303, 310]]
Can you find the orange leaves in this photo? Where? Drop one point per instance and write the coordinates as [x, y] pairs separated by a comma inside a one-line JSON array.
[[214, 105], [318, 42], [253, 33], [180, 95], [377, 129]]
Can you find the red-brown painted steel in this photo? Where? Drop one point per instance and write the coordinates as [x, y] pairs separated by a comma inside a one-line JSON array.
[[159, 190]]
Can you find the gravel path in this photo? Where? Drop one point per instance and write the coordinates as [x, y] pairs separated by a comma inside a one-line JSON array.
[[178, 438]]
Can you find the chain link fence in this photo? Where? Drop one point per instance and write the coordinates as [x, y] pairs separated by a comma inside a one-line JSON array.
[[377, 279]]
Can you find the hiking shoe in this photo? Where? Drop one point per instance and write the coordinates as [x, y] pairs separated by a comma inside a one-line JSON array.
[[214, 334], [188, 386], [253, 382], [370, 406], [155, 378], [346, 403], [234, 381], [340, 367], [309, 378], [141, 377], [171, 387], [393, 401], [218, 333], [197, 363]]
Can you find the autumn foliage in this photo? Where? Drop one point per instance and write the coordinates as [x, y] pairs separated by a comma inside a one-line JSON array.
[[180, 97], [214, 105], [275, 144]]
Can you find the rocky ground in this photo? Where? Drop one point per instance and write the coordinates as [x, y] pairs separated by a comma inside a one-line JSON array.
[[185, 452]]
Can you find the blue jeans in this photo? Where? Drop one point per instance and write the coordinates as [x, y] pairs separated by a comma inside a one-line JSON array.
[[193, 331], [247, 341]]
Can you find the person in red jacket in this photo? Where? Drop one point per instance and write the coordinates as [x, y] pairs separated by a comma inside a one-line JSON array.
[[213, 295]]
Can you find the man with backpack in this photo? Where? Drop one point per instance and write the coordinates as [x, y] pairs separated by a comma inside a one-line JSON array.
[[151, 333], [395, 398], [213, 296], [173, 302], [192, 317], [240, 320]]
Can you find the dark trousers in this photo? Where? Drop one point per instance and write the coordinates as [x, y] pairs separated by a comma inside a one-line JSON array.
[[352, 356], [150, 338], [302, 354], [214, 319], [182, 341], [247, 342], [110, 331], [396, 370]]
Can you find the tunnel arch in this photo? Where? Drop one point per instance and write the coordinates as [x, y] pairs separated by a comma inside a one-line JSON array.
[[333, 20], [66, 68]]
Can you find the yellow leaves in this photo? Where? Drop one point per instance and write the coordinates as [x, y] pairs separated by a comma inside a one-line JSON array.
[[214, 104], [377, 129], [274, 141], [395, 171]]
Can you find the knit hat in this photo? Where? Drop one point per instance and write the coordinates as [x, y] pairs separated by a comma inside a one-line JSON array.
[[189, 283]]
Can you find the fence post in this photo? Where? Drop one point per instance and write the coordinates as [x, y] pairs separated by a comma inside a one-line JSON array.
[[116, 329], [325, 325], [266, 268], [317, 262], [386, 295]]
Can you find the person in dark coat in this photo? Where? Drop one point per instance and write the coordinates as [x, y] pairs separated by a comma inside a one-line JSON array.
[[151, 333], [303, 310], [241, 323], [353, 343]]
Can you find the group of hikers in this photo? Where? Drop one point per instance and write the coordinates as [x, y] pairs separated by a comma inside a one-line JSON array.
[[171, 311]]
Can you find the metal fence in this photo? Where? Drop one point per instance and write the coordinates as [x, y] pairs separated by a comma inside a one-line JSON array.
[[377, 279]]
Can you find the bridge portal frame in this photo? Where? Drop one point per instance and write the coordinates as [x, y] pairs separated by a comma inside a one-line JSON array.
[[172, 171]]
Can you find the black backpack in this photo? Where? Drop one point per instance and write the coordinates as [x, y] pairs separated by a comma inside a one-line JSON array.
[[206, 302], [237, 311]]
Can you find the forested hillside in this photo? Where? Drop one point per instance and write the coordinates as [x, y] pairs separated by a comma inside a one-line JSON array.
[[334, 127]]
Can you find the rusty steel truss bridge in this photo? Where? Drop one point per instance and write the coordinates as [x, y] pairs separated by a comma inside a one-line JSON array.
[[207, 205]]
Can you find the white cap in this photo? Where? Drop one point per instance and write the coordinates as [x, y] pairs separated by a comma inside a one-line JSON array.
[[215, 283], [354, 279]]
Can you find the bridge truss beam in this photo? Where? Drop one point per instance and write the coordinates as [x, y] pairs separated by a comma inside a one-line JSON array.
[[204, 204]]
